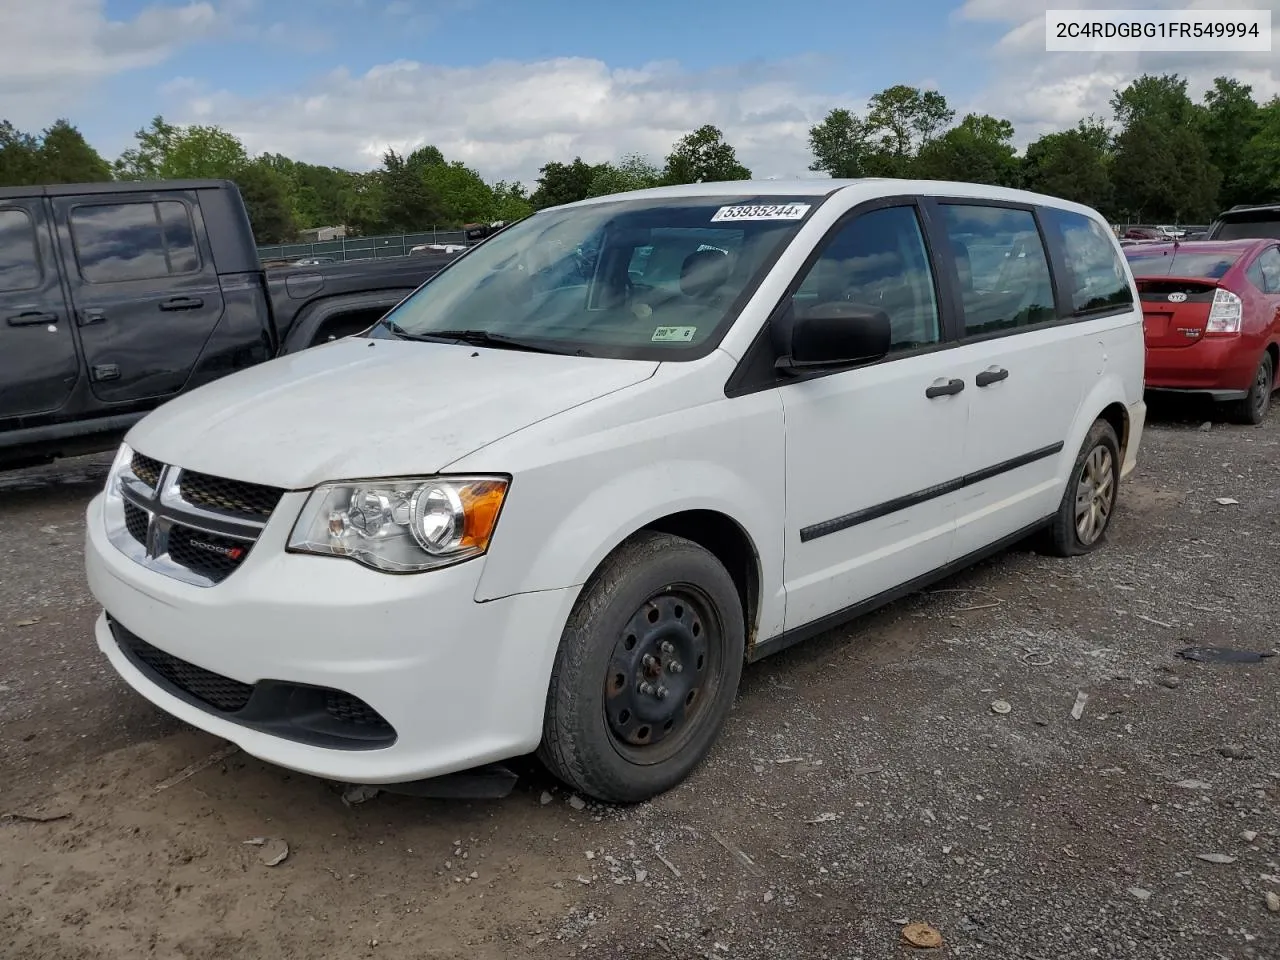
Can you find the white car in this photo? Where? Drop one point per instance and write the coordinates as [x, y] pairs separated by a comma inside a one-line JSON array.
[[555, 506]]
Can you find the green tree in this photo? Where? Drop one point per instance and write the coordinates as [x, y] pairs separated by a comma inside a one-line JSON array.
[[563, 183], [510, 201], [19, 157], [464, 196], [66, 157], [1073, 165], [1163, 173], [1162, 168], [1159, 99], [425, 157], [362, 204], [408, 204], [1259, 168], [1230, 120], [168, 152], [840, 144], [901, 120], [265, 192], [632, 172], [703, 157], [977, 150]]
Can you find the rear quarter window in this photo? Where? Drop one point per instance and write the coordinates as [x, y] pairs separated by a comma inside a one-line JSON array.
[[1096, 277]]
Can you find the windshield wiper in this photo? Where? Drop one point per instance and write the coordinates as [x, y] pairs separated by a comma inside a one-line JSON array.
[[479, 338], [483, 338]]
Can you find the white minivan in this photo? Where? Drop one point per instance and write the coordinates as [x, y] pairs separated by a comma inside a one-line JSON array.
[[557, 497]]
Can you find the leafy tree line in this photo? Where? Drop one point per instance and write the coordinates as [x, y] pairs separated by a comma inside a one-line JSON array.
[[1161, 157], [405, 194]]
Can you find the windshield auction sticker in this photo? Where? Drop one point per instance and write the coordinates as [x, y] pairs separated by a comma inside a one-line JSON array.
[[673, 334], [768, 211]]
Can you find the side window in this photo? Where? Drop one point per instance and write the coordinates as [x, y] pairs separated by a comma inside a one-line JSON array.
[[133, 241], [1003, 268], [1254, 275], [878, 260], [1096, 277], [179, 236], [19, 260], [1269, 263]]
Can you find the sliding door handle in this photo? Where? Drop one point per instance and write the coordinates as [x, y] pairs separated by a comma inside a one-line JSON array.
[[990, 376], [944, 388]]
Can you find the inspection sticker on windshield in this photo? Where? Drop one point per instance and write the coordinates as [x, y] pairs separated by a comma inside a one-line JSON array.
[[768, 211], [673, 334]]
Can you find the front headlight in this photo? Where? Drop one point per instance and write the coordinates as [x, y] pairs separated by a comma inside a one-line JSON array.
[[401, 526], [124, 457]]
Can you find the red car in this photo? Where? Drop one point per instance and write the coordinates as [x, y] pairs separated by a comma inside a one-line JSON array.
[[1211, 312]]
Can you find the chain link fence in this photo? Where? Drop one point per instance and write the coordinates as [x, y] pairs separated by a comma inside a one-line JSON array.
[[359, 248]]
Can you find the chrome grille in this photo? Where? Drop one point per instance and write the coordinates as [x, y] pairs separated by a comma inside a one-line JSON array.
[[251, 499], [187, 525], [146, 469]]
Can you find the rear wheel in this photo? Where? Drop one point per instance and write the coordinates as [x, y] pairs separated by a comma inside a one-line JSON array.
[[1089, 501], [1253, 408], [647, 669]]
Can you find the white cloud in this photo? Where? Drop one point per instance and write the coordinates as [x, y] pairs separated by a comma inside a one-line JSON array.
[[508, 118], [56, 50]]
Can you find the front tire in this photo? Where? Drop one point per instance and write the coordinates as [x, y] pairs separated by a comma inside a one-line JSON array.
[[1253, 408], [646, 672], [1089, 501]]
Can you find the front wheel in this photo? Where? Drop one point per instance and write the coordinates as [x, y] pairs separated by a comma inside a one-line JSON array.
[[1253, 408], [646, 672], [1089, 501]]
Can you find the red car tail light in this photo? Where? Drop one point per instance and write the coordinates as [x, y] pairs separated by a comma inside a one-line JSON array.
[[1226, 314]]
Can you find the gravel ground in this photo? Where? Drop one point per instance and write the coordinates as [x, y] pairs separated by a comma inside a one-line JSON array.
[[864, 780]]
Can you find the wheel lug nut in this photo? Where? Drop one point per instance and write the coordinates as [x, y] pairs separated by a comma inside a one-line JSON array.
[[648, 660], [675, 666], [667, 648], [662, 693], [646, 688]]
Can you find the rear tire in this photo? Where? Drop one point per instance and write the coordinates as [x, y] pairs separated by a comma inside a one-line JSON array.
[[646, 672], [1253, 408], [1089, 502]]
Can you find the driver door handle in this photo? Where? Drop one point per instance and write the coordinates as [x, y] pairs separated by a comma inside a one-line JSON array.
[[990, 376], [946, 388], [31, 319]]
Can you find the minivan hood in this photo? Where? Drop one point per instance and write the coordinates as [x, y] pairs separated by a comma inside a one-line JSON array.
[[370, 408]]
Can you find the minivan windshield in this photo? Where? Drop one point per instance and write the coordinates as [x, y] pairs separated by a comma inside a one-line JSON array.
[[636, 279], [1180, 263]]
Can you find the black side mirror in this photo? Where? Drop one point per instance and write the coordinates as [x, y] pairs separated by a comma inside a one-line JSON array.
[[835, 334]]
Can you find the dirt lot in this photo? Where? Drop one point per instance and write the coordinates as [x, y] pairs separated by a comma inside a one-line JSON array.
[[863, 781]]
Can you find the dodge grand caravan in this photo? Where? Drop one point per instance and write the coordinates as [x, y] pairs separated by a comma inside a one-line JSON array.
[[559, 495]]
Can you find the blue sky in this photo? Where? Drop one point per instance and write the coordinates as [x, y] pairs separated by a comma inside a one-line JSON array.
[[507, 85]]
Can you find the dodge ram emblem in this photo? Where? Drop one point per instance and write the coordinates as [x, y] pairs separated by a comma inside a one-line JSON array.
[[1177, 297]]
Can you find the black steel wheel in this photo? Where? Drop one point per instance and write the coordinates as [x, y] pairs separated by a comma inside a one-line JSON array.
[[646, 672], [656, 681]]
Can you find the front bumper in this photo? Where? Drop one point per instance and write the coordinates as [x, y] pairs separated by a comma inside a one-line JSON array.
[[460, 683]]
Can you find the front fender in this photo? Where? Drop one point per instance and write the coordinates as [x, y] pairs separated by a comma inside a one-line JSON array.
[[565, 514]]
